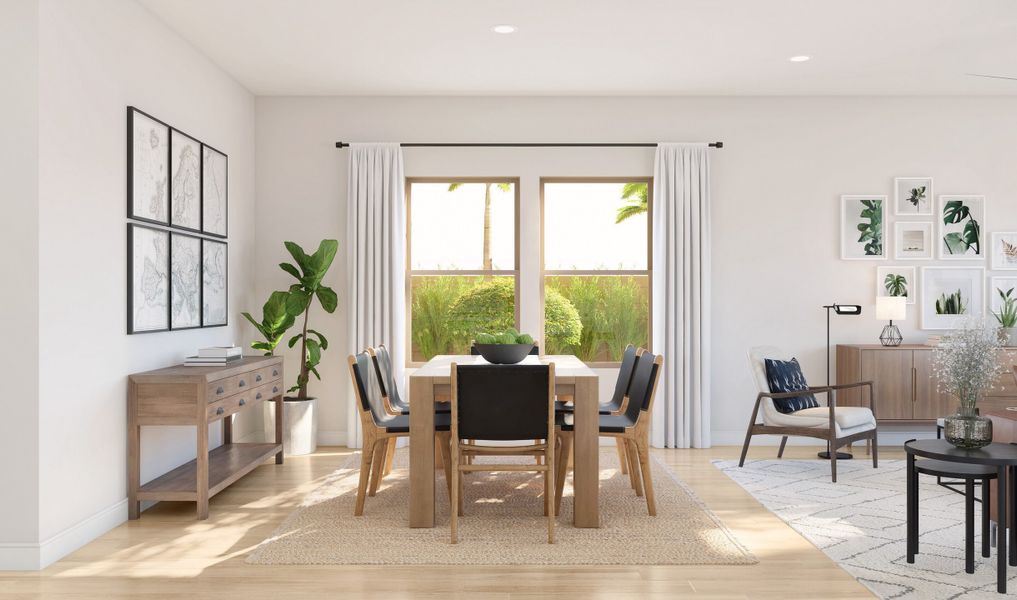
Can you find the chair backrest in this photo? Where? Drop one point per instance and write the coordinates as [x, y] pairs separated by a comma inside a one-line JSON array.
[[367, 387], [535, 351], [643, 385], [757, 363], [383, 364], [503, 402], [628, 366]]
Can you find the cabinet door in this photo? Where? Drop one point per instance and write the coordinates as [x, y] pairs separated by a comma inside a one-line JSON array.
[[891, 372], [930, 403]]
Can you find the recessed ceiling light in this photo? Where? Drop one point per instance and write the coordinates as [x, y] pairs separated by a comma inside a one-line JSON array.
[[800, 58], [504, 29]]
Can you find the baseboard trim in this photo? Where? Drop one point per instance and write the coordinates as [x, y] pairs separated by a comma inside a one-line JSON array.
[[34, 557]]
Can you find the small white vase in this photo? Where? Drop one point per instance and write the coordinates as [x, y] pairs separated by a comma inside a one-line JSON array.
[[300, 426]]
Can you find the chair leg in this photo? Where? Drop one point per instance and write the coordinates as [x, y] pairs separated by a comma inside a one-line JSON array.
[[833, 461], [780, 451], [633, 453], [443, 440], [548, 489], [390, 455], [462, 494], [622, 459], [875, 449], [562, 465], [745, 446], [366, 456], [454, 499], [378, 468], [644, 463]]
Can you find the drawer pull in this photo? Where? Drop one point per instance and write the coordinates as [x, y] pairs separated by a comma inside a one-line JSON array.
[[243, 401], [274, 389], [257, 377], [219, 390], [275, 373], [256, 396], [242, 383], [220, 410]]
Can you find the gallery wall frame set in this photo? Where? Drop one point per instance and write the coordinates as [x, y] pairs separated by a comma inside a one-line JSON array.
[[950, 295], [173, 179], [175, 280], [177, 254], [863, 227]]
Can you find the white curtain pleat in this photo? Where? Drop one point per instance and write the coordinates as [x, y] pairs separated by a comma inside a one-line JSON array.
[[681, 294], [376, 252]]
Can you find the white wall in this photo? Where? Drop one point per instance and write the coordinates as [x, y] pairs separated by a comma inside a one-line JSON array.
[[95, 58], [776, 188], [19, 263]]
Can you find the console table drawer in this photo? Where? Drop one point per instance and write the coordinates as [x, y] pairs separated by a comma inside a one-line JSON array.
[[225, 407]]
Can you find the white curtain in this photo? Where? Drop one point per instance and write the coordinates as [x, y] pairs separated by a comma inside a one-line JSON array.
[[681, 294], [376, 251]]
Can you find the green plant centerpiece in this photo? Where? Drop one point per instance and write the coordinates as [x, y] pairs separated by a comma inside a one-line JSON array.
[[1006, 316], [505, 348], [966, 364], [309, 272]]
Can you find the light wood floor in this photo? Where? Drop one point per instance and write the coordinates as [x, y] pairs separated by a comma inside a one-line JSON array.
[[168, 554]]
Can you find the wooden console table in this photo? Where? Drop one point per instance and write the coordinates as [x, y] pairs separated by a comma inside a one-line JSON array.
[[198, 396]]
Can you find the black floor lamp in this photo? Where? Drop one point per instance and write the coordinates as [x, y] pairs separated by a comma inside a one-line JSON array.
[[840, 309]]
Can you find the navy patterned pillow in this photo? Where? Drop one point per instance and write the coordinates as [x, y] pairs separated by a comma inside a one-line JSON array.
[[786, 376]]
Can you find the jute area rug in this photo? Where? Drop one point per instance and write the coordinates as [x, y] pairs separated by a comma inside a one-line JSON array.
[[503, 524], [860, 522]]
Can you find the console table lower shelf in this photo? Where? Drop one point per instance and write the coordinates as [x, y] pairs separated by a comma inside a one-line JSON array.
[[199, 397]]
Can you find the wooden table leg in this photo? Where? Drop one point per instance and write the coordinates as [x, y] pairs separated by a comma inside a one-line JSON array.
[[202, 471], [586, 478], [1001, 473], [133, 455], [227, 430], [422, 452], [279, 428]]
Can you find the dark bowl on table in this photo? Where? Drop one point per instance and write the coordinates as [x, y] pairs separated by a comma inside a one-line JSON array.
[[504, 354]]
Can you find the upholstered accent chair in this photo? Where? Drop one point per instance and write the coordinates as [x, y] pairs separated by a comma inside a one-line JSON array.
[[838, 425]]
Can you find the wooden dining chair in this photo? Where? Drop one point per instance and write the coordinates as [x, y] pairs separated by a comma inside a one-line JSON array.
[[392, 399], [379, 427], [632, 427], [618, 402], [502, 403]]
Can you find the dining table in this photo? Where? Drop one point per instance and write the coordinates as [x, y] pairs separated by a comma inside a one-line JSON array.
[[430, 383]]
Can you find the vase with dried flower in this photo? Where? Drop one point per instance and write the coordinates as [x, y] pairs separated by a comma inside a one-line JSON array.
[[966, 364]]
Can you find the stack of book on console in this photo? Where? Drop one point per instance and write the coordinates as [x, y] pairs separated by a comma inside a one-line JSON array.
[[214, 356]]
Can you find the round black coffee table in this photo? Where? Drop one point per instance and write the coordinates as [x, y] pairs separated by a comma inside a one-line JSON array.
[[1001, 456]]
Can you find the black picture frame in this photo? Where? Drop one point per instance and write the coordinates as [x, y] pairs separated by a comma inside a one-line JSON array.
[[226, 199], [132, 161], [173, 280], [132, 326], [205, 242], [173, 135]]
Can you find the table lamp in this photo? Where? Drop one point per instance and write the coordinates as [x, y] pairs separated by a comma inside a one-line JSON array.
[[889, 308]]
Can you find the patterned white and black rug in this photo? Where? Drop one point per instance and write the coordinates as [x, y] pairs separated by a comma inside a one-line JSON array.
[[859, 522]]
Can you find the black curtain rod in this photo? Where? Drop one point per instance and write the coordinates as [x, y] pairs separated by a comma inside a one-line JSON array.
[[531, 145]]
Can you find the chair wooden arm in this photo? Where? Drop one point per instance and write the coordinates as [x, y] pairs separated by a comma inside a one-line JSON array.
[[780, 395]]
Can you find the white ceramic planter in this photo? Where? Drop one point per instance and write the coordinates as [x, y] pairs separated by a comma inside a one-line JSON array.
[[300, 426]]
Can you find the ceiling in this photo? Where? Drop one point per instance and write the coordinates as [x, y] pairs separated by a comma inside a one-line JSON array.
[[605, 47]]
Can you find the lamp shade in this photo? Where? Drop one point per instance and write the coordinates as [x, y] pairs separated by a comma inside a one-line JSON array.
[[889, 308]]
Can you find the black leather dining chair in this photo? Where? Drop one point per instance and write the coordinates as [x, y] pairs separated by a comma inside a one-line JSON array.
[[502, 403], [631, 427], [380, 427]]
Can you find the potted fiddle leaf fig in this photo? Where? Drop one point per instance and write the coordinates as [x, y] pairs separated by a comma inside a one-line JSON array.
[[300, 411], [275, 320]]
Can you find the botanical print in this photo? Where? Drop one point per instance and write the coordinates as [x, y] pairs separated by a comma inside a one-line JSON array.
[[185, 185], [213, 277], [149, 168], [912, 240], [896, 281], [961, 222], [1003, 301], [213, 191], [185, 281], [1004, 250], [951, 294], [149, 279], [912, 196], [862, 227]]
